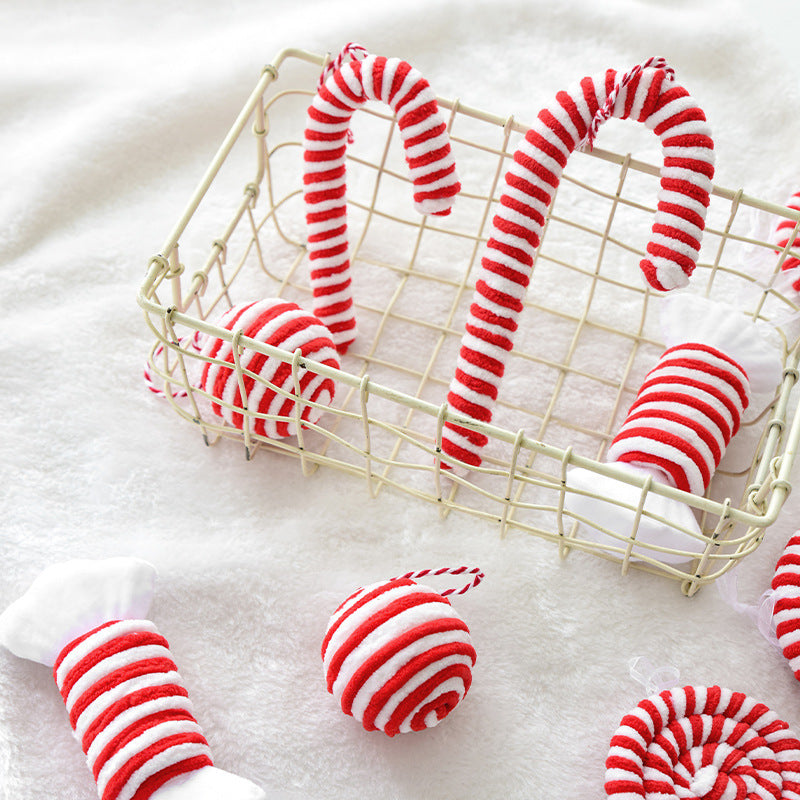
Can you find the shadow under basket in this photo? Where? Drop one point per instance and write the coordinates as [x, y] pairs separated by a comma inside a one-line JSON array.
[[588, 334]]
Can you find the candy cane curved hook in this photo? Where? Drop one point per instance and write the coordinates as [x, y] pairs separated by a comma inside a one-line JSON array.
[[648, 94], [428, 154]]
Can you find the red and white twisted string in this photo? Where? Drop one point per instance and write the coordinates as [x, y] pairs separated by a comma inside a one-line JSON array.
[[129, 709], [648, 95], [428, 155], [195, 341], [786, 231], [703, 742], [476, 572], [687, 410]]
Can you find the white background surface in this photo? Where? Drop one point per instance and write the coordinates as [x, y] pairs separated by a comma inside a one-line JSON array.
[[109, 113]]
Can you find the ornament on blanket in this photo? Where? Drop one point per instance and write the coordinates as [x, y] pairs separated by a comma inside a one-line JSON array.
[[344, 87], [688, 408], [126, 702], [648, 94], [786, 599], [785, 230], [703, 742], [283, 325], [397, 656]]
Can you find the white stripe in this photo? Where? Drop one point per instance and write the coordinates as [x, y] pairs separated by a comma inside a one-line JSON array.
[[98, 639], [361, 615], [171, 756], [125, 689], [132, 655], [384, 635], [664, 451], [131, 715], [147, 738], [417, 680]]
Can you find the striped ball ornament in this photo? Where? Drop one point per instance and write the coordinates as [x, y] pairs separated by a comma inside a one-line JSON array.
[[784, 232], [397, 656], [284, 325]]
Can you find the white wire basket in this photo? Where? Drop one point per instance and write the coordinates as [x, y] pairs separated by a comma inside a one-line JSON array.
[[385, 424]]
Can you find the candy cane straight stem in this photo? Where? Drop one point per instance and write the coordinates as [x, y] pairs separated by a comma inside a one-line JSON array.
[[427, 150], [647, 95]]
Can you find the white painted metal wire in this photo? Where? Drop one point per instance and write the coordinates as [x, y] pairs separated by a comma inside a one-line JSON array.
[[242, 238]]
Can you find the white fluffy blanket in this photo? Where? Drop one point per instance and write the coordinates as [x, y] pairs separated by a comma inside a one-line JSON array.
[[110, 113]]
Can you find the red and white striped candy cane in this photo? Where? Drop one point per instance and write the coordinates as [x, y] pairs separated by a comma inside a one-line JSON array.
[[784, 231], [427, 151], [703, 742], [786, 611], [647, 94], [126, 702]]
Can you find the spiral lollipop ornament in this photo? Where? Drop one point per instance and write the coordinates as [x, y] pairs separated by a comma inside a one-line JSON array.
[[125, 699], [703, 742], [786, 609], [344, 88], [647, 94], [397, 656]]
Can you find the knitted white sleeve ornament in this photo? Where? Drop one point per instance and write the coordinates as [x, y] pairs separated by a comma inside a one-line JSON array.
[[397, 656], [283, 325], [687, 410], [126, 702], [648, 94], [784, 231], [703, 742], [427, 151]]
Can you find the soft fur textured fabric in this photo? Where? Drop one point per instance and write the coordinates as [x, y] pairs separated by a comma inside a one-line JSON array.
[[110, 114]]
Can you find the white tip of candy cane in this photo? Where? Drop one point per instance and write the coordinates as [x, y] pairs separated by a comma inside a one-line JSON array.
[[610, 505], [209, 783], [438, 206], [71, 598], [754, 345]]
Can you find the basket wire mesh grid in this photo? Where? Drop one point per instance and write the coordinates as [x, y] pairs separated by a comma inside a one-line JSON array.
[[385, 424]]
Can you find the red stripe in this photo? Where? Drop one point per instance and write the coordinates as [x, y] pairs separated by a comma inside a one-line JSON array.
[[154, 782], [75, 642], [378, 618], [390, 649], [670, 469], [123, 775], [671, 440], [107, 650], [131, 699], [407, 705]]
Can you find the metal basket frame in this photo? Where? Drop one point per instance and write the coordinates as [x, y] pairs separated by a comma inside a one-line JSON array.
[[373, 425]]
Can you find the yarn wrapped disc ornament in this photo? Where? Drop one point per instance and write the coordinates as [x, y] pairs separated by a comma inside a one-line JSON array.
[[703, 742], [281, 324], [397, 656], [786, 603]]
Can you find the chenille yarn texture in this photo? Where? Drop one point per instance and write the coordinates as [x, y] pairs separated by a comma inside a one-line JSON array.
[[397, 656], [786, 610], [125, 699], [428, 155], [703, 742], [783, 233], [647, 94], [283, 325]]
